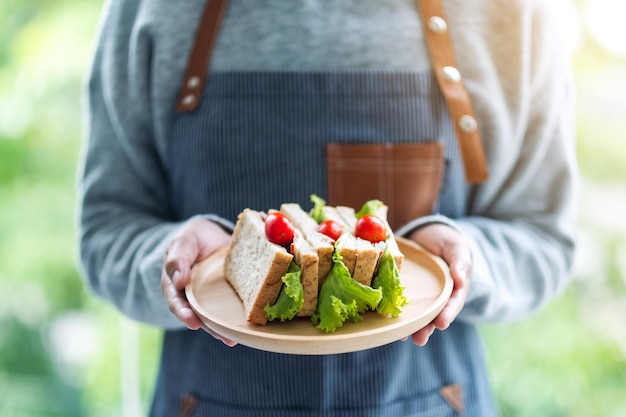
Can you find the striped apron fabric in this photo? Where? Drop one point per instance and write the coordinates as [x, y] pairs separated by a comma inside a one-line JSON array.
[[257, 140]]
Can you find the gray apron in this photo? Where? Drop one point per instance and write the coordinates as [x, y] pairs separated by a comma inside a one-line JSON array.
[[258, 139]]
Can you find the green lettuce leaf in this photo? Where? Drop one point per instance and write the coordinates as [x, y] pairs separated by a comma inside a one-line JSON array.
[[370, 207], [387, 279], [342, 298], [317, 212], [291, 297]]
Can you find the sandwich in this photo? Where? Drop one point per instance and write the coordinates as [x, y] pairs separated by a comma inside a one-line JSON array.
[[285, 264]]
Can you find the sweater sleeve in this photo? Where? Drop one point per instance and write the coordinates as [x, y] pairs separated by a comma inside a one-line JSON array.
[[522, 221], [125, 216]]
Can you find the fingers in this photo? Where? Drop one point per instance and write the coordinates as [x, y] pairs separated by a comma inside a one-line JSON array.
[[420, 338], [227, 342], [178, 304], [196, 239], [443, 320], [458, 257], [454, 249], [451, 246], [452, 308], [179, 258]]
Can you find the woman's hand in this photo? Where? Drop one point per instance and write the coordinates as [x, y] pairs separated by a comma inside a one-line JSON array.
[[453, 248], [196, 240]]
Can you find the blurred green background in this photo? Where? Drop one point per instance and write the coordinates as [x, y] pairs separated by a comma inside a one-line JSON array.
[[64, 353]]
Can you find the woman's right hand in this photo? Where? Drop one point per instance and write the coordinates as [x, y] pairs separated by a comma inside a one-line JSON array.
[[197, 239]]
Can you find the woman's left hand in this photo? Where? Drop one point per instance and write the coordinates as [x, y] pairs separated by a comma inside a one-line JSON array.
[[447, 243]]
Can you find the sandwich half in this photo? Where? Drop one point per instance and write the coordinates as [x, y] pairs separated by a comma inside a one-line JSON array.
[[254, 266]]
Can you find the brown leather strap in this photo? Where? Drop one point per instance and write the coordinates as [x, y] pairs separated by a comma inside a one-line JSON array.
[[200, 56], [451, 83]]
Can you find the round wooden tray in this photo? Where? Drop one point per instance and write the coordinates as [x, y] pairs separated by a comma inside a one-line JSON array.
[[427, 283]]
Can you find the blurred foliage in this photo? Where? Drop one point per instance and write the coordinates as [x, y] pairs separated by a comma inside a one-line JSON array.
[[61, 349]]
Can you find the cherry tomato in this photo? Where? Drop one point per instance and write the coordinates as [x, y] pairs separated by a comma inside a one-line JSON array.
[[278, 228], [330, 228], [370, 227]]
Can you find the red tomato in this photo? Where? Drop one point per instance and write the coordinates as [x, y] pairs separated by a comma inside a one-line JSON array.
[[278, 228], [330, 228], [370, 227]]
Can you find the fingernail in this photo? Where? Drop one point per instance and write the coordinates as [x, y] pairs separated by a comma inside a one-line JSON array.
[[176, 276]]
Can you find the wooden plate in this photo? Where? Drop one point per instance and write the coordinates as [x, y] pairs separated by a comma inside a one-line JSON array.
[[427, 283]]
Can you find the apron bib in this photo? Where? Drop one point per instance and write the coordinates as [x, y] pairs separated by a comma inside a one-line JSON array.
[[259, 139]]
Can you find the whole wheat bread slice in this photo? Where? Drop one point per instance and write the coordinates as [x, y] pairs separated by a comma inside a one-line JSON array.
[[320, 242], [307, 258]]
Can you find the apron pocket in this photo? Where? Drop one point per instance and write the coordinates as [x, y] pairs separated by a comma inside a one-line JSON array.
[[406, 177]]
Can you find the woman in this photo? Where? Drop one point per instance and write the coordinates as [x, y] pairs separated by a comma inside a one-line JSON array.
[[172, 156]]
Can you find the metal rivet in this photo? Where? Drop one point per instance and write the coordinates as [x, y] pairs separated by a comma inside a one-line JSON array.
[[451, 74], [467, 124], [437, 24], [193, 82], [189, 99]]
